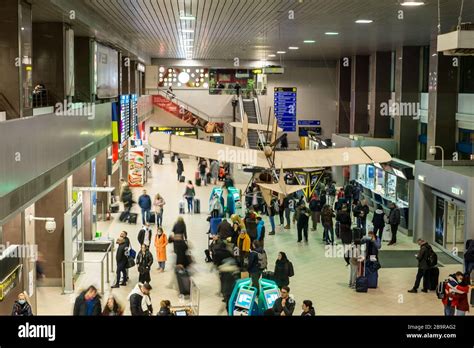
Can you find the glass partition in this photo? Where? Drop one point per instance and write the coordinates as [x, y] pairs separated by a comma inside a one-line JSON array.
[[391, 187]]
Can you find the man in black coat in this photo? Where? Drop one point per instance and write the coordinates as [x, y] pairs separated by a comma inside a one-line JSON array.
[[122, 261], [394, 221], [225, 230], [88, 303], [423, 267], [284, 305], [140, 301]]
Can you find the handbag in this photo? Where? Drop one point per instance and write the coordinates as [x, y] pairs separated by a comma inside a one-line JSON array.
[[130, 262]]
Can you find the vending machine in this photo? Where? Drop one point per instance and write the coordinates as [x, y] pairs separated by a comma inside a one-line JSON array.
[[269, 292], [243, 299]]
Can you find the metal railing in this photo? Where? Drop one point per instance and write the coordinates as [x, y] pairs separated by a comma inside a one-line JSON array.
[[102, 275], [186, 106]]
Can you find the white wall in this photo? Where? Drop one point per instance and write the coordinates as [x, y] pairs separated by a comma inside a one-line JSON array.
[[316, 91]]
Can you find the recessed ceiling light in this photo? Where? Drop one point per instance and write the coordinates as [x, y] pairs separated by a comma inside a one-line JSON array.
[[183, 77], [187, 31], [363, 21], [272, 55], [281, 52], [412, 3], [331, 33], [293, 48], [187, 18], [184, 39], [309, 41]]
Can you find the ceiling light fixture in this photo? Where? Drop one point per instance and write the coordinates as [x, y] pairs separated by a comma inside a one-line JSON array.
[[412, 3], [187, 18], [281, 52], [183, 77], [272, 55], [364, 21], [331, 33], [309, 41], [293, 48], [187, 31]]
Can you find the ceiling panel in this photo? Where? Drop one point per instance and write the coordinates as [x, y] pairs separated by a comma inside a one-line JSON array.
[[252, 29]]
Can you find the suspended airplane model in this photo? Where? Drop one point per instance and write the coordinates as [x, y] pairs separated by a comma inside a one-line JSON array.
[[268, 159]]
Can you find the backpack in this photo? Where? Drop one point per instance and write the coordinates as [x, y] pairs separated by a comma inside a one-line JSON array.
[[432, 258], [291, 270], [440, 289], [262, 260]]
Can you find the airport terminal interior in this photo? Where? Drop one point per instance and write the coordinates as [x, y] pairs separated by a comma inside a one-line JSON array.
[[236, 158]]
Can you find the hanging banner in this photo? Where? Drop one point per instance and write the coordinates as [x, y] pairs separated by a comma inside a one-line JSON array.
[[439, 220]]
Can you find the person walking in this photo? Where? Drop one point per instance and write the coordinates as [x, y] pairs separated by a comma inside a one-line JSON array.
[[243, 245], [283, 270], [140, 300], [189, 195], [394, 221], [423, 267], [202, 171], [21, 307], [144, 262], [214, 169], [180, 228], [159, 203], [378, 220], [88, 303], [122, 261], [302, 217], [272, 211], [161, 241], [144, 202], [315, 208], [281, 211], [327, 216], [127, 198], [179, 168], [331, 194]]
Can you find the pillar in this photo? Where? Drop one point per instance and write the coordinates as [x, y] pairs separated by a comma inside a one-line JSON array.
[[380, 94], [82, 178], [442, 101], [16, 84], [407, 93], [343, 95], [125, 76], [359, 95], [51, 245], [101, 177]]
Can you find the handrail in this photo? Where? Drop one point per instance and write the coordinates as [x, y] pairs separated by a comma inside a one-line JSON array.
[[106, 256], [191, 108]]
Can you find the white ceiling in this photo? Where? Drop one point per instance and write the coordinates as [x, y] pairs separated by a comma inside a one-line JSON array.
[[252, 29]]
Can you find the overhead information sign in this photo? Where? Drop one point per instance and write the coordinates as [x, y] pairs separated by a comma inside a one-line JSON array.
[[285, 108], [309, 122]]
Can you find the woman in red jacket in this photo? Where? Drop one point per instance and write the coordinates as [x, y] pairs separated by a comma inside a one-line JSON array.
[[455, 300]]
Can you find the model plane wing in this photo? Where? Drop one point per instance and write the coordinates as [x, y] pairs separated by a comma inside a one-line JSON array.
[[254, 126], [331, 157], [206, 149]]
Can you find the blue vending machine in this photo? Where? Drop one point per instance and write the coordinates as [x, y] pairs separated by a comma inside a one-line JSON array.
[[243, 299], [269, 293]]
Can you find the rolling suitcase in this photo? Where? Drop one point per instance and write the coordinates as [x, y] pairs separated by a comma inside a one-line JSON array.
[[362, 283], [208, 178], [124, 216], [372, 279], [133, 218], [198, 181], [434, 278], [197, 206], [151, 218], [182, 178], [184, 282], [181, 207]]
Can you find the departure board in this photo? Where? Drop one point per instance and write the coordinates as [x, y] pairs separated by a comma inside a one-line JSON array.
[[124, 119], [133, 115], [285, 108]]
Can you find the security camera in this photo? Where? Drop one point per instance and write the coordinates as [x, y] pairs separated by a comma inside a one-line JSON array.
[[432, 150], [50, 226]]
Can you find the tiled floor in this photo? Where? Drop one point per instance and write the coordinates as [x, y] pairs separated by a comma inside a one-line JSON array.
[[324, 280]]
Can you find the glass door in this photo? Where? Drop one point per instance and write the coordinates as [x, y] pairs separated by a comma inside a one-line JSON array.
[[455, 216]]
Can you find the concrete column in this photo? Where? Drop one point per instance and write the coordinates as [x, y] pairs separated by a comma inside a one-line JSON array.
[[380, 72], [16, 85], [51, 245], [101, 177], [343, 72], [407, 92], [82, 178], [126, 62], [442, 102], [359, 95], [29, 264]]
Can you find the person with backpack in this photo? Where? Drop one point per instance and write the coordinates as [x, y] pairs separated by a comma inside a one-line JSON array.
[[426, 260], [394, 221], [257, 263], [315, 208], [378, 220], [283, 270]]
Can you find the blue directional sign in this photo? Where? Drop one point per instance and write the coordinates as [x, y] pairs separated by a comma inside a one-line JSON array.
[[309, 122], [285, 108]]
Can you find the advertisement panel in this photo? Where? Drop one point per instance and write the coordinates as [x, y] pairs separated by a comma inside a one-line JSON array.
[[439, 221]]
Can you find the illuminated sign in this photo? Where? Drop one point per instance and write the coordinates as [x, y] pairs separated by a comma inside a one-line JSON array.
[[10, 282], [456, 190], [181, 131], [273, 70]]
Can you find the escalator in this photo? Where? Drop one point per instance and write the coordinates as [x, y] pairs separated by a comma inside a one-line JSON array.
[[251, 108]]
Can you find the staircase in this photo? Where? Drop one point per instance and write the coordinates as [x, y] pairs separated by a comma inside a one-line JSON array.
[[188, 113]]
